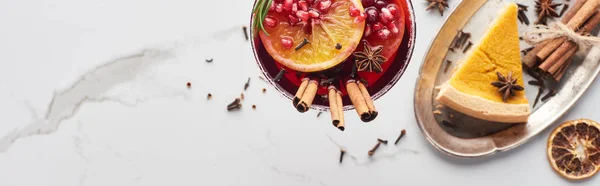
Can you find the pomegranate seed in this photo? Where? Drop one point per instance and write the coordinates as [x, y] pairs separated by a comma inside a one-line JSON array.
[[354, 11], [367, 30], [392, 26], [393, 9], [387, 14], [279, 8], [377, 26], [294, 7], [372, 14], [324, 4], [360, 18], [303, 5], [272, 8], [287, 5], [382, 19], [310, 1], [313, 14], [380, 4], [368, 3], [287, 43], [293, 20], [383, 34], [302, 15], [270, 22]]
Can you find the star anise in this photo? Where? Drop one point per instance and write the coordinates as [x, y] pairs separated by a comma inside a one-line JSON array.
[[370, 59], [507, 84], [545, 9], [441, 5]]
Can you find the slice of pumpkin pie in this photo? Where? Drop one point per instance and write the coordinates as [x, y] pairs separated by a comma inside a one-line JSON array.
[[488, 84]]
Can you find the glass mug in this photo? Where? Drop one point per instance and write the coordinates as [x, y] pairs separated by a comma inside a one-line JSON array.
[[289, 83]]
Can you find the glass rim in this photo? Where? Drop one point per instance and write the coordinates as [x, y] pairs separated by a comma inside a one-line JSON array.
[[290, 96]]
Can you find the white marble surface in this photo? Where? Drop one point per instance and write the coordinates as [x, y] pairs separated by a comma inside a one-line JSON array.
[[119, 120]]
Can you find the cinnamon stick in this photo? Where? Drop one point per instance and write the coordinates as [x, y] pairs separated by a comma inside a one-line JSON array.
[[300, 91], [549, 48], [590, 24], [564, 57], [573, 11], [340, 104], [308, 96], [358, 100], [583, 14], [531, 59], [333, 107], [369, 102], [557, 54]]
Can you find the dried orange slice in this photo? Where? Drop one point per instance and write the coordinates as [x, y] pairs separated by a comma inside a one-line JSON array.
[[332, 28], [574, 149]]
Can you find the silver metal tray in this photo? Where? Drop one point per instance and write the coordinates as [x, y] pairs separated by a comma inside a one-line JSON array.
[[468, 137]]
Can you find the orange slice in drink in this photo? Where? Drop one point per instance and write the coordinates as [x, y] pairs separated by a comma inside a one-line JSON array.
[[574, 149], [311, 35]]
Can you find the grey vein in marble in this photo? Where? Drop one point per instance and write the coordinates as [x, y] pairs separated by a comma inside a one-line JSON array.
[[90, 87]]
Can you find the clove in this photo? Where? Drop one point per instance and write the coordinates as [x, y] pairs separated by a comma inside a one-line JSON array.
[[464, 38], [342, 153], [522, 7], [338, 46], [523, 17], [455, 40], [521, 14], [538, 78], [402, 133], [469, 44], [535, 83], [304, 42], [540, 91], [372, 151], [448, 62], [236, 101], [564, 9], [245, 32], [549, 95], [279, 75], [385, 142], [235, 105], [354, 70], [247, 84]]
